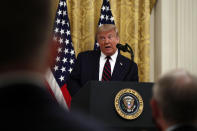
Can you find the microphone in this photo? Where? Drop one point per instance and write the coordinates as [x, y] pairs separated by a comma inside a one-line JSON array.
[[126, 48], [121, 47]]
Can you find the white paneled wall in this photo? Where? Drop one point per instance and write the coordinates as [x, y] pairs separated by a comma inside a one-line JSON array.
[[174, 36]]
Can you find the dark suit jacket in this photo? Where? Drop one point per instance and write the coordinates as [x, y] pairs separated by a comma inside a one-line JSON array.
[[87, 69], [28, 107]]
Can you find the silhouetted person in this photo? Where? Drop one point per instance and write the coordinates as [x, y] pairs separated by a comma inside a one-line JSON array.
[[174, 106], [25, 55]]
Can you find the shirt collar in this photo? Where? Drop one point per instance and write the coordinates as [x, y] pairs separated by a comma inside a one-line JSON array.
[[21, 77], [171, 128], [113, 57]]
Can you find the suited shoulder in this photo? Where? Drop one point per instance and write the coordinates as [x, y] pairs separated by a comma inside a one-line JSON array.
[[123, 58]]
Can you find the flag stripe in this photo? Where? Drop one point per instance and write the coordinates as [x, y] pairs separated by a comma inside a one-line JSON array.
[[56, 89], [66, 95]]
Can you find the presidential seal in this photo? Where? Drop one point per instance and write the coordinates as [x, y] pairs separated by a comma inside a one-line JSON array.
[[128, 104]]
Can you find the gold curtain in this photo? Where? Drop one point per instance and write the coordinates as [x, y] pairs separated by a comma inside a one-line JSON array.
[[132, 18]]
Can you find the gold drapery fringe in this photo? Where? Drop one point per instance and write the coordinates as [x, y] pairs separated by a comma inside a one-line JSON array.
[[132, 18]]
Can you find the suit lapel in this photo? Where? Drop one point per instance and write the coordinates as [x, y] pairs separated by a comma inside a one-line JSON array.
[[120, 69]]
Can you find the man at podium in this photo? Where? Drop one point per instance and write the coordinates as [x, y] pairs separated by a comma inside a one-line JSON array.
[[106, 64]]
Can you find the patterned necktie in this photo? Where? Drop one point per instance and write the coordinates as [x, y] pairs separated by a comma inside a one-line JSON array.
[[107, 70]]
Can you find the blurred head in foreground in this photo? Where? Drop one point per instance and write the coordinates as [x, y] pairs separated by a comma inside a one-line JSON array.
[[174, 99], [25, 35]]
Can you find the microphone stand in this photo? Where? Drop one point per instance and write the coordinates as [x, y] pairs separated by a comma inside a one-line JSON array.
[[126, 48], [129, 49]]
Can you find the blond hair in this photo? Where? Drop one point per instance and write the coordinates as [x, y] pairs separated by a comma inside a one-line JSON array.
[[106, 27]]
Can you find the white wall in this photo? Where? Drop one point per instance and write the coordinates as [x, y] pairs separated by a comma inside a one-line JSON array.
[[174, 36]]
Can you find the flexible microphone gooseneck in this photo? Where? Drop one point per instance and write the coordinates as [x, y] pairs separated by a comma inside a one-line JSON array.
[[126, 48]]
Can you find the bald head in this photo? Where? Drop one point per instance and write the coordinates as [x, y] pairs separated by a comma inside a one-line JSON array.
[[176, 95]]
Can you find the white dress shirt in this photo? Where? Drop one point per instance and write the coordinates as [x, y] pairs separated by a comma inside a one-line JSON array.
[[103, 60]]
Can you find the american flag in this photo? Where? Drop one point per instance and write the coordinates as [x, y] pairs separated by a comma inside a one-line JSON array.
[[58, 75], [105, 18]]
